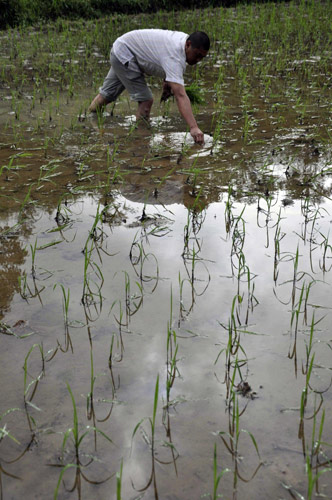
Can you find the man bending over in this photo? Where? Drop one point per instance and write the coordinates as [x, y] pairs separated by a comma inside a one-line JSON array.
[[155, 52]]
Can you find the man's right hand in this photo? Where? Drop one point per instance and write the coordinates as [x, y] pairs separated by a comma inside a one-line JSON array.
[[197, 135], [184, 106]]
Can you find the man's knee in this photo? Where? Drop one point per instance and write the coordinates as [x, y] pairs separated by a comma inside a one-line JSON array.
[[147, 104]]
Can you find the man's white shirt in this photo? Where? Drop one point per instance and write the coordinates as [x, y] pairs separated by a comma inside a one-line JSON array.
[[154, 52]]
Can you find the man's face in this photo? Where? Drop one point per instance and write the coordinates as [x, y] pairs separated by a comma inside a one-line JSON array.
[[193, 56]]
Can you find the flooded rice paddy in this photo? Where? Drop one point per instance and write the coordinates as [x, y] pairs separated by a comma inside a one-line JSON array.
[[165, 307]]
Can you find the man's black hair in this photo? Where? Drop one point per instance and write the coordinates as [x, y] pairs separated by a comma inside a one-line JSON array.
[[199, 40]]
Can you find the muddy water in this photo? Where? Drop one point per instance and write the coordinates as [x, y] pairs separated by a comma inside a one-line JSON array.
[[112, 237]]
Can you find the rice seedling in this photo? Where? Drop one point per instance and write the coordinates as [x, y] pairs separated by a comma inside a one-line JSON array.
[[119, 482], [278, 236], [317, 462], [101, 120], [133, 301], [13, 166], [172, 348], [120, 345], [195, 220], [7, 330], [327, 249], [295, 314], [305, 394], [48, 172], [6, 434], [3, 430], [63, 213], [114, 176], [140, 259], [29, 292], [216, 477], [184, 311], [111, 359], [232, 350], [231, 441], [171, 373], [33, 249], [65, 309], [30, 385], [76, 437], [310, 214], [152, 421], [90, 407], [301, 308], [193, 263], [195, 93], [238, 239], [313, 478], [229, 217], [92, 287]]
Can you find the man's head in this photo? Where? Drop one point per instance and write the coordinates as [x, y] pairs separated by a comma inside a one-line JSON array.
[[197, 46]]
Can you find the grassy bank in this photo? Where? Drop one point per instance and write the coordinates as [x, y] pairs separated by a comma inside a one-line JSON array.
[[16, 12]]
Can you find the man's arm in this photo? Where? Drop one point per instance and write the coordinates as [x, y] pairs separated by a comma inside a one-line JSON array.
[[183, 102]]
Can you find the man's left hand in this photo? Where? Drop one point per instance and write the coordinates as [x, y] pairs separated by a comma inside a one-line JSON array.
[[167, 92]]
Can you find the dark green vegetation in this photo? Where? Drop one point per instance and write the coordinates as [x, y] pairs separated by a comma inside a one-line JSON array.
[[14, 12], [165, 308]]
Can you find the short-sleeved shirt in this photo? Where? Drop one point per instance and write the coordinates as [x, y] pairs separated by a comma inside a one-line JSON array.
[[154, 52]]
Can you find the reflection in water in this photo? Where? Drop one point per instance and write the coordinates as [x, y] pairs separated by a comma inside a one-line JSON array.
[[183, 144], [12, 255], [145, 264], [143, 277]]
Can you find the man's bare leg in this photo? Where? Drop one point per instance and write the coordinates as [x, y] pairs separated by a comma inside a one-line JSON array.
[[98, 103], [143, 111]]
